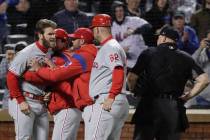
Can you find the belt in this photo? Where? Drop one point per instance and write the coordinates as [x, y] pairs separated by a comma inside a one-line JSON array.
[[35, 97]]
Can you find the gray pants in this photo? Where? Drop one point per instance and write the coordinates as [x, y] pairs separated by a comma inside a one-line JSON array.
[[35, 126], [66, 124], [104, 125]]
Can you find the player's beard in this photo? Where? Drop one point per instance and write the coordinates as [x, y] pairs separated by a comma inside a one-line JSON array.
[[49, 44]]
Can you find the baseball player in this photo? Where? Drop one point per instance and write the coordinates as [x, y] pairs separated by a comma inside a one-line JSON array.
[[79, 67], [62, 104], [26, 100], [81, 62], [105, 118], [66, 116]]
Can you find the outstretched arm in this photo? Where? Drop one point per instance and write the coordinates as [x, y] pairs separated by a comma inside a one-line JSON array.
[[60, 73], [200, 83], [34, 78]]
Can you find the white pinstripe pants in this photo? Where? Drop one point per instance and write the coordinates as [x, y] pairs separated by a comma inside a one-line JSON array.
[[103, 125], [66, 124]]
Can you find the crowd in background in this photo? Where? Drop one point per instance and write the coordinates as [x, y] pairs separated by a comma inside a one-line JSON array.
[[135, 25]]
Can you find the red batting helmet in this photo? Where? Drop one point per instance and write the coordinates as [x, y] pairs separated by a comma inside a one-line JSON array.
[[83, 33], [101, 20], [61, 33]]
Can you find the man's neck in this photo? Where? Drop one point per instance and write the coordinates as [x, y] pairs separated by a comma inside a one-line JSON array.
[[104, 37], [180, 29], [40, 42]]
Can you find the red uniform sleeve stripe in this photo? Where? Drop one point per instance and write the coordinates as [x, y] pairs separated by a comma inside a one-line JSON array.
[[33, 78], [117, 82], [14, 88]]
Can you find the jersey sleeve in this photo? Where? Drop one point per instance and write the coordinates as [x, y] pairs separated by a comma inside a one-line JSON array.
[[114, 58], [14, 88], [64, 88], [117, 82], [16, 69], [34, 78], [62, 72], [19, 64], [138, 22]]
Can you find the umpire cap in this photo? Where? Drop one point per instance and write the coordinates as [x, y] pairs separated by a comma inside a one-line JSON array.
[[170, 32]]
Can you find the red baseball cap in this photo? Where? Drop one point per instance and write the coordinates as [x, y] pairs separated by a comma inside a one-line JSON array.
[[83, 33]]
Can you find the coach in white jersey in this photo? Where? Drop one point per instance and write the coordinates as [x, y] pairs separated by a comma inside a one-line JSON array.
[[26, 104], [105, 118], [123, 28]]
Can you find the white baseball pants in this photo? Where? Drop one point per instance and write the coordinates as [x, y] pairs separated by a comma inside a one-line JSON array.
[[66, 124]]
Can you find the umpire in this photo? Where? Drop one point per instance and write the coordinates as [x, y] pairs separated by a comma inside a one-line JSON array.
[[161, 113]]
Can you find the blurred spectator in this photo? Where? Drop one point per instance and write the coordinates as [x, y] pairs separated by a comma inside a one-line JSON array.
[[5, 61], [17, 17], [174, 4], [11, 50], [133, 8], [188, 7], [86, 5], [148, 5], [124, 31], [188, 41], [201, 19], [158, 16], [202, 57], [20, 45], [3, 22], [10, 53], [71, 17]]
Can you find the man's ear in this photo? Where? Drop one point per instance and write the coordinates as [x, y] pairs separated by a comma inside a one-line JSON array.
[[82, 41], [40, 36]]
